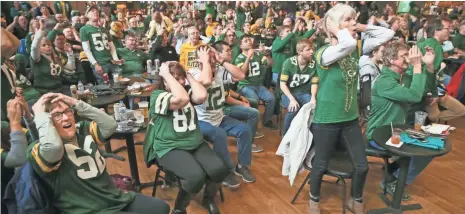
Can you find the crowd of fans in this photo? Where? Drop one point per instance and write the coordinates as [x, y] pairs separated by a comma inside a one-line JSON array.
[[218, 62]]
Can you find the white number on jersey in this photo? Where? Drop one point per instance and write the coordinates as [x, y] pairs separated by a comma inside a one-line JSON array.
[[55, 69], [96, 165], [100, 41], [254, 69], [181, 123], [298, 79]]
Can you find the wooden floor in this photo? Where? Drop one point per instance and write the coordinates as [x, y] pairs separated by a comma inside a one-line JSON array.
[[439, 189]]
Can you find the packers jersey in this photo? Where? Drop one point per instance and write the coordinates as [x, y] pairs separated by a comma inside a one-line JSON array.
[[80, 181], [211, 110], [98, 39], [255, 74], [170, 129], [47, 75], [298, 81]]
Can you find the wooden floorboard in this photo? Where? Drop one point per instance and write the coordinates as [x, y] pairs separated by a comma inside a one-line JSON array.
[[439, 189]]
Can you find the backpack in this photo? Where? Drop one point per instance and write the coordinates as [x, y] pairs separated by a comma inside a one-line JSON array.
[[28, 193]]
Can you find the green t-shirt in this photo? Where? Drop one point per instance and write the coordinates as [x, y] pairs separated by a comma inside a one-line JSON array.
[[298, 81], [255, 75], [47, 75], [80, 181], [337, 90], [98, 39], [134, 61], [168, 129], [391, 96]]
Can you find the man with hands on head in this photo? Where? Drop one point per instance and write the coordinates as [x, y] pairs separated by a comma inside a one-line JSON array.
[[215, 126], [67, 151]]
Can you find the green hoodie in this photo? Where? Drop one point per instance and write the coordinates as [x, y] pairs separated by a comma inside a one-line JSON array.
[[391, 97]]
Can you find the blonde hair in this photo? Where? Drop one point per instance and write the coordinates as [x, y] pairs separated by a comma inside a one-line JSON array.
[[302, 44], [336, 14]]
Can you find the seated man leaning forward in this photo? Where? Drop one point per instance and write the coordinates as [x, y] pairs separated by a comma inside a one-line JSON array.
[[68, 160]]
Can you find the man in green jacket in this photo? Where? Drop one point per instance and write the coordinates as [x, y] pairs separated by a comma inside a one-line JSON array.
[[395, 89]]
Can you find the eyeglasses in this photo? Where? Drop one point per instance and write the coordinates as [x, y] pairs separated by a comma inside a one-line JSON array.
[[230, 35], [58, 116]]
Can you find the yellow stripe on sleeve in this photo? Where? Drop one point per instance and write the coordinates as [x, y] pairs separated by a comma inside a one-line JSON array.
[[318, 58], [42, 165], [94, 132], [240, 64], [1, 151], [284, 78], [315, 80]]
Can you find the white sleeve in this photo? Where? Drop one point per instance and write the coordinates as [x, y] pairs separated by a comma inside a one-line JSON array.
[[195, 72], [347, 44], [86, 48], [226, 77], [376, 36], [71, 65], [114, 55]]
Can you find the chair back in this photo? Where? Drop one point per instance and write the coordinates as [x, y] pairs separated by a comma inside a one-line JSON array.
[[365, 91]]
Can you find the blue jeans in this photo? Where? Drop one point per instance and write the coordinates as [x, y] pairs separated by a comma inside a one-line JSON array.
[[256, 93], [108, 68], [302, 99], [417, 165], [447, 80], [218, 136], [275, 78], [247, 114]]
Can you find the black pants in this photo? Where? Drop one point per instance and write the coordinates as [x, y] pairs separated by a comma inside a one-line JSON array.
[[325, 138], [194, 167], [143, 204]]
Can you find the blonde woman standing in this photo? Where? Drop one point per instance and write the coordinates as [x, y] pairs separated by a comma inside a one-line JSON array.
[[336, 113]]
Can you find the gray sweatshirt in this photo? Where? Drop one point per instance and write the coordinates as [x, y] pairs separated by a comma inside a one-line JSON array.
[[51, 145]]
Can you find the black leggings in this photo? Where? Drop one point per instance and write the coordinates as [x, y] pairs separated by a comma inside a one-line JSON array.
[[143, 204], [325, 138], [194, 167]]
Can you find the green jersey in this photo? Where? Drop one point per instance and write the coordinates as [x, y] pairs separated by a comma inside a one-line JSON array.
[[80, 181], [170, 129], [98, 39], [255, 75], [134, 61], [47, 75], [298, 81], [337, 90]]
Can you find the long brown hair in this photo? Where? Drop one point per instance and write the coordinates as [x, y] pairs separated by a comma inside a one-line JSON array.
[[54, 56], [175, 69]]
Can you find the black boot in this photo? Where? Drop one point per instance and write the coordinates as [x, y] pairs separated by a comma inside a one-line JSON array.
[[182, 201], [211, 188]]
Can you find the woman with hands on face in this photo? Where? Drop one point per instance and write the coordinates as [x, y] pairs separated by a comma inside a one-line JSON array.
[[336, 112], [174, 138]]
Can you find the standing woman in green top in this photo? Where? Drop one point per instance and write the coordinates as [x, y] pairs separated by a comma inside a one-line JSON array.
[[45, 63], [174, 138], [336, 112]]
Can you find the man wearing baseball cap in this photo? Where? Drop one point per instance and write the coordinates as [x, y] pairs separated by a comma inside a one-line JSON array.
[[98, 45]]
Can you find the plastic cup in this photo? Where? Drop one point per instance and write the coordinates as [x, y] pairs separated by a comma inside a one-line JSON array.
[[139, 114], [116, 77], [145, 106], [395, 137], [420, 117]]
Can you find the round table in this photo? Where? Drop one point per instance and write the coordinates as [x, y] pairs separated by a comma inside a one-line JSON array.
[[381, 135], [151, 77], [105, 100]]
